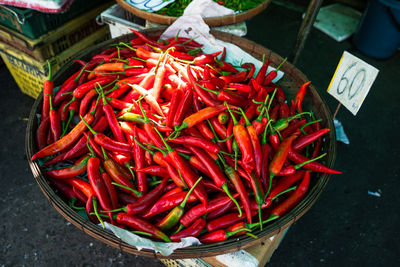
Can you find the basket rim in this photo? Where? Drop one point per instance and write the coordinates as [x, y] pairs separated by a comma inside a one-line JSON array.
[[212, 21], [194, 251]]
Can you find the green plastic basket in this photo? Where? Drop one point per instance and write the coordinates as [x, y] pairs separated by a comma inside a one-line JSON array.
[[32, 23]]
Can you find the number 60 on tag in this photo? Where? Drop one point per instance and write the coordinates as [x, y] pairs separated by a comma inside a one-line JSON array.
[[352, 81]]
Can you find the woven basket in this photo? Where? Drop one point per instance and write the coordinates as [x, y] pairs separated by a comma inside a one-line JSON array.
[[291, 82], [212, 22]]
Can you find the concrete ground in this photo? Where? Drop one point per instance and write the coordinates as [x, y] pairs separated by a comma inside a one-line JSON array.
[[346, 226]]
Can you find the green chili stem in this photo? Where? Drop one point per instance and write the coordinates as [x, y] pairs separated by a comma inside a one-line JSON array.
[[88, 126], [283, 192], [137, 193], [97, 213], [225, 187], [235, 122]]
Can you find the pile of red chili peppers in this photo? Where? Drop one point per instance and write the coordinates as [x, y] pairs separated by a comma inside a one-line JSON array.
[[168, 142]]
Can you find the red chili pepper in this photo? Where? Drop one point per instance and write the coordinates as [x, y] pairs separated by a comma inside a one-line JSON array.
[[205, 59], [181, 55], [125, 198], [167, 203], [183, 108], [200, 92], [243, 140], [219, 212], [282, 208], [66, 190], [218, 236], [292, 128], [224, 221], [235, 78], [65, 141], [62, 112], [199, 210], [305, 140], [261, 73], [175, 102], [55, 124], [144, 54], [215, 172], [147, 200], [112, 120], [251, 70], [144, 38], [93, 145], [141, 225], [82, 89], [237, 182], [312, 166], [110, 189], [119, 176], [81, 185], [155, 170], [138, 156], [60, 95], [226, 66], [200, 116], [173, 217], [78, 168], [201, 126], [150, 129], [279, 158], [159, 159], [250, 113], [171, 190], [122, 86], [109, 143], [272, 74], [47, 93], [97, 183], [229, 132], [55, 160], [300, 96], [229, 97], [255, 142], [273, 115], [188, 174], [114, 66], [318, 142], [193, 230], [80, 147], [283, 110], [196, 141], [242, 87], [85, 101], [285, 182]]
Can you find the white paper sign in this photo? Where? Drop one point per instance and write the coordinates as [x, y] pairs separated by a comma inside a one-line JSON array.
[[352, 81], [149, 5]]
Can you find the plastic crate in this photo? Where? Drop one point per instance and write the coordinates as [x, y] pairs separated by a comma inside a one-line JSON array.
[[30, 74], [56, 41], [119, 20], [33, 24]]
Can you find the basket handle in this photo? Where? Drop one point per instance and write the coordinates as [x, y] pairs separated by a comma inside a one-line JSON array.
[[393, 18], [20, 19]]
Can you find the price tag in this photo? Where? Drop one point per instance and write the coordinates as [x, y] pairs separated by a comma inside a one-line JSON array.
[[352, 81]]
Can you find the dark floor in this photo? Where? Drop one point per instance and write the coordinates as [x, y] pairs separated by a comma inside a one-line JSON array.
[[346, 226]]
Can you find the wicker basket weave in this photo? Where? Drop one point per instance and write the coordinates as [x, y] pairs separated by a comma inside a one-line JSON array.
[[212, 22], [290, 83]]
